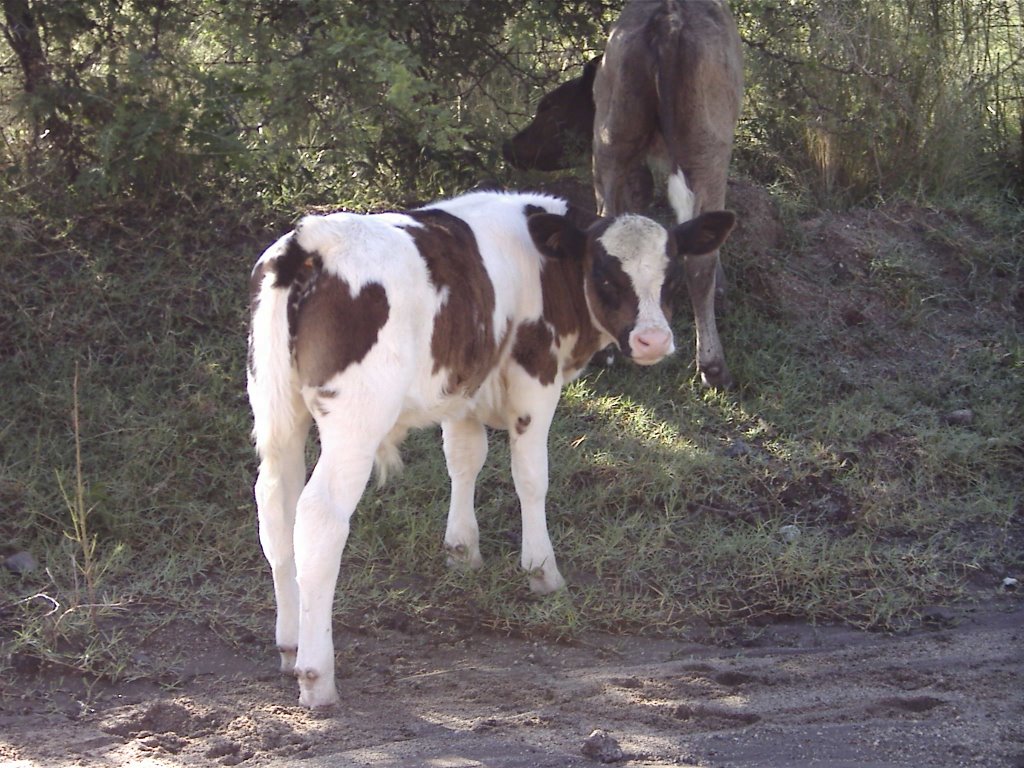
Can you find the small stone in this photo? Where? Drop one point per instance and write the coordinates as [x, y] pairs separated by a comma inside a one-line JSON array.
[[222, 747], [789, 533], [853, 317], [20, 563], [841, 274], [141, 658], [602, 747], [937, 617], [683, 712], [962, 417], [737, 449], [1010, 584]]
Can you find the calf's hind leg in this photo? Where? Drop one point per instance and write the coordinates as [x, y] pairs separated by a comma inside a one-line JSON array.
[[322, 526], [465, 448], [325, 508], [281, 476]]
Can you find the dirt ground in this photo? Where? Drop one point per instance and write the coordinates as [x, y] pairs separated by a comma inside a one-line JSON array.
[[949, 695]]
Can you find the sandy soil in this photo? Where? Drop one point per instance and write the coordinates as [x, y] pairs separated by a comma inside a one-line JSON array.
[[796, 696]]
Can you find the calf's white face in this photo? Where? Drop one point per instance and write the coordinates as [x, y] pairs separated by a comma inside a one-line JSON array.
[[641, 247], [630, 266]]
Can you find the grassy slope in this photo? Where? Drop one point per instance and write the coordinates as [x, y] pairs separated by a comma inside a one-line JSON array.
[[667, 503]]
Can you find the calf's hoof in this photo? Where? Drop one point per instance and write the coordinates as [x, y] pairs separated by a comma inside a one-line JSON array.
[[288, 654], [315, 690], [463, 557], [544, 581]]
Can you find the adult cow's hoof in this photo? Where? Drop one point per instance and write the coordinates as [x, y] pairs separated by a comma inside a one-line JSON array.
[[716, 375]]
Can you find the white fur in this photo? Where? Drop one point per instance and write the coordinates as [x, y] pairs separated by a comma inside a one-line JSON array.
[[681, 197]]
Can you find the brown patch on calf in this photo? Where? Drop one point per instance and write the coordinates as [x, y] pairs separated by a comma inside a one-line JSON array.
[[523, 424], [293, 269], [323, 397], [255, 284], [463, 341], [333, 329], [532, 350], [610, 291], [565, 308]]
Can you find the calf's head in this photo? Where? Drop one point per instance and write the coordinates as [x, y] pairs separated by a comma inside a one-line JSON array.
[[561, 132], [631, 267]]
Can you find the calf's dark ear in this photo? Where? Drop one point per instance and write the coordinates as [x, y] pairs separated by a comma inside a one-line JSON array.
[[556, 237], [705, 233]]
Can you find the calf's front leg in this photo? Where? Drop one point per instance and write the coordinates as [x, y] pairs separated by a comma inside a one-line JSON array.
[[528, 442]]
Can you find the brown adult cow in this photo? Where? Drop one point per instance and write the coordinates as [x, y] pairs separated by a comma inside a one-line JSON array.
[[667, 92]]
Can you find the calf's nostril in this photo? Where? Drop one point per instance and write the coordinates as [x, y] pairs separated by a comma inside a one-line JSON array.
[[651, 342]]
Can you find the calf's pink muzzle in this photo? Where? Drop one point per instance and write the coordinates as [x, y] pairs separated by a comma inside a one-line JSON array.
[[648, 346]]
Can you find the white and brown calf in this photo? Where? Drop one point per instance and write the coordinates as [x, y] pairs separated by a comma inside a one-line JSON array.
[[469, 312]]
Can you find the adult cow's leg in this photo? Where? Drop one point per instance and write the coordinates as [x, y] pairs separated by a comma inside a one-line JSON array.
[[700, 280], [700, 189], [282, 474], [624, 121], [620, 178], [465, 448], [533, 408], [705, 278], [713, 183]]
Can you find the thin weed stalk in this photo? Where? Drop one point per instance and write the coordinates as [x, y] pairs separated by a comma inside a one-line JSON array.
[[79, 513]]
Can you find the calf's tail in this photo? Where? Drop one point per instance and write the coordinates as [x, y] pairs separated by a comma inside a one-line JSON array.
[[280, 416], [279, 412]]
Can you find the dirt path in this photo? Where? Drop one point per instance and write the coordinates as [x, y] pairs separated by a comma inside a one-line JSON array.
[[798, 696]]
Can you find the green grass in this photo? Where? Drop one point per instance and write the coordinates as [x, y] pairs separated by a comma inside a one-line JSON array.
[[667, 502]]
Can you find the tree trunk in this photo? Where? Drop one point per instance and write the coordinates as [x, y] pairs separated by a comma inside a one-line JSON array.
[[22, 34]]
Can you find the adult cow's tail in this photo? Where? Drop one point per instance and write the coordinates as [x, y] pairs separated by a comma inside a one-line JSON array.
[[667, 29]]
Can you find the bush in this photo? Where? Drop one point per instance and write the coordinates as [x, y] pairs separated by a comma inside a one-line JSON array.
[[299, 102], [854, 99]]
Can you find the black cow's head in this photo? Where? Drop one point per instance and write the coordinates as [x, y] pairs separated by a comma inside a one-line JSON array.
[[561, 132]]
